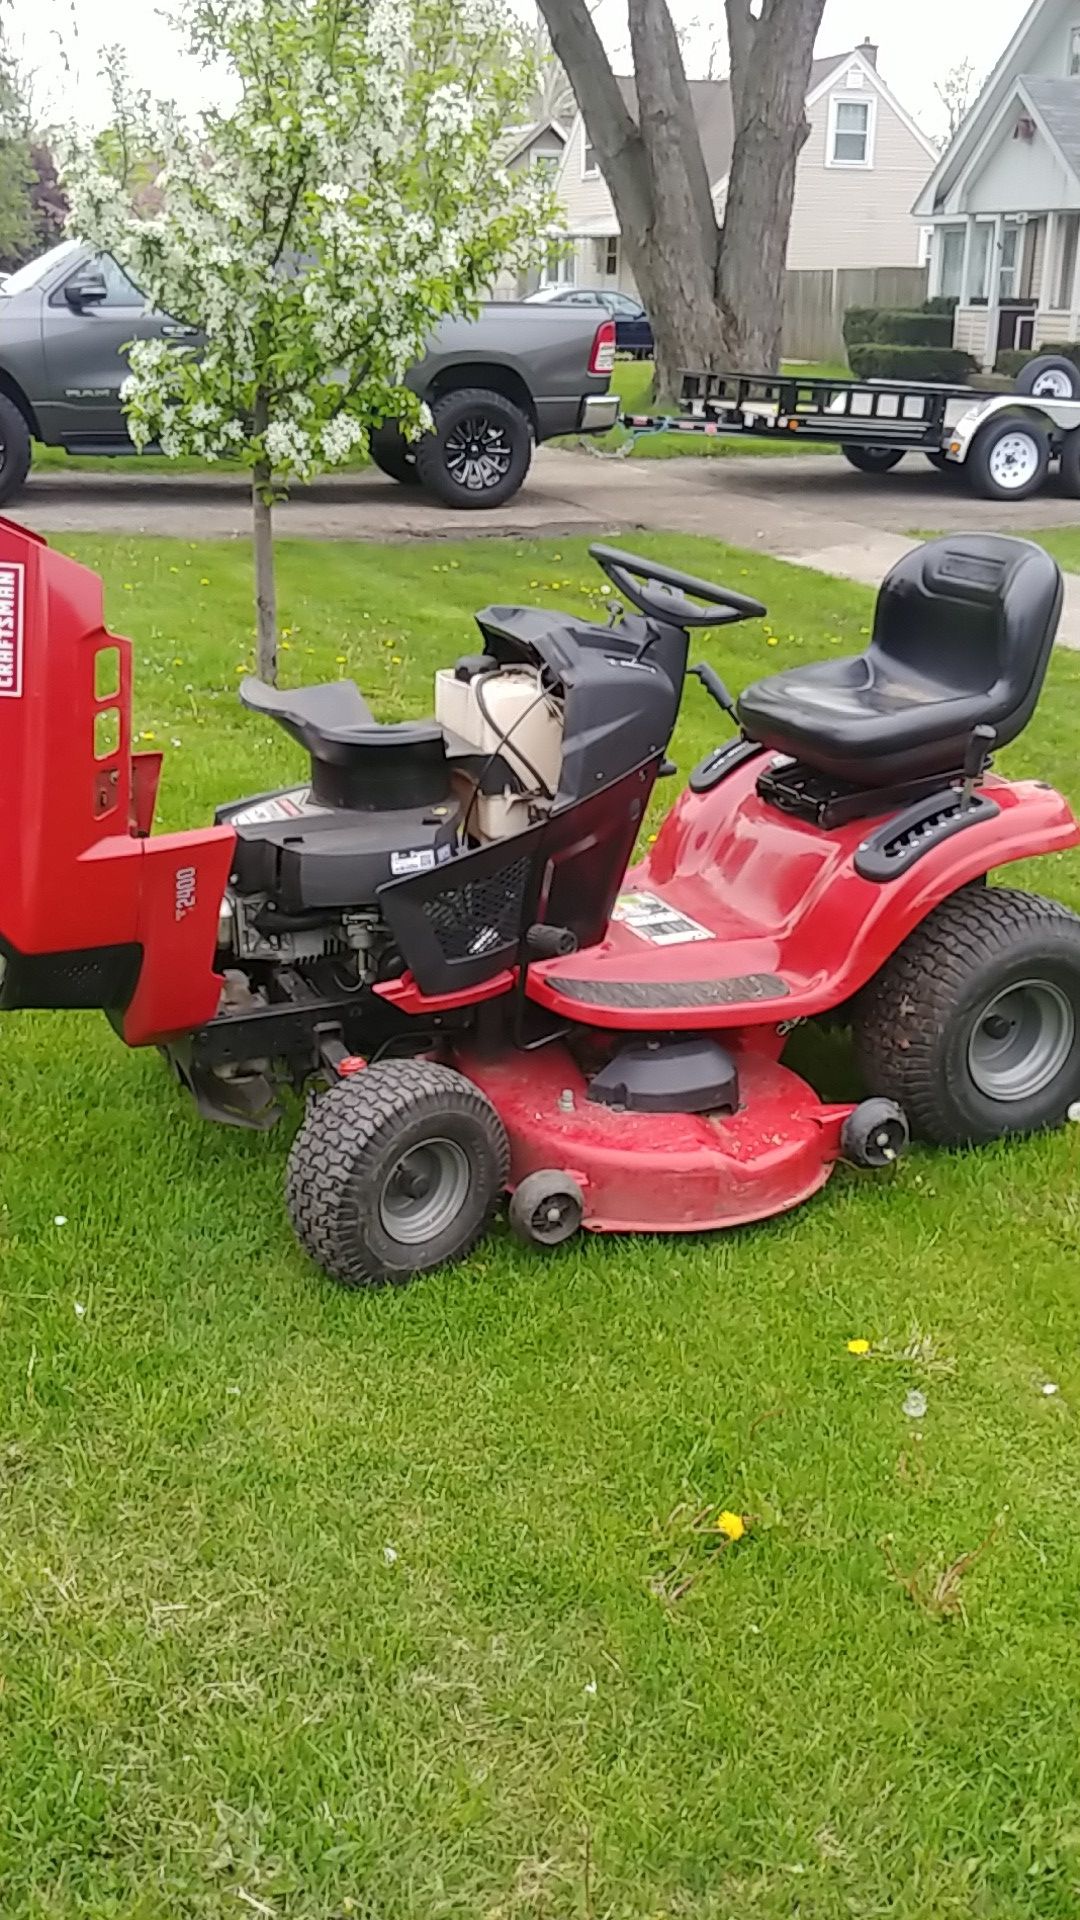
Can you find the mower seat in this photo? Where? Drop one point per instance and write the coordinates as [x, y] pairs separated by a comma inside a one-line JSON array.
[[962, 637], [356, 761]]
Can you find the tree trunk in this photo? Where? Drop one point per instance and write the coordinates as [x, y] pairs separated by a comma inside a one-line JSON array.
[[715, 298], [263, 530]]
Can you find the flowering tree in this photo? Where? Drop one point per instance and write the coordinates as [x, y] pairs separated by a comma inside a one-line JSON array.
[[316, 232]]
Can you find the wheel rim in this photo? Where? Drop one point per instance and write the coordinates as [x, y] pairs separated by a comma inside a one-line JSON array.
[[478, 453], [1014, 461], [1021, 1040], [1054, 384], [556, 1217], [424, 1191]]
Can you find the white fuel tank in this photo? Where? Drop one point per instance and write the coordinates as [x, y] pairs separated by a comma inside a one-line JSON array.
[[510, 714]]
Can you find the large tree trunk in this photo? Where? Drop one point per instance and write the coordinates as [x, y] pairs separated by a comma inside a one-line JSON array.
[[266, 638], [715, 298]]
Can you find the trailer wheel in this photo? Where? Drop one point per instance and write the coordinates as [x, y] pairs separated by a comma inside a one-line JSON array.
[[1009, 459], [872, 459], [1050, 377], [1070, 464]]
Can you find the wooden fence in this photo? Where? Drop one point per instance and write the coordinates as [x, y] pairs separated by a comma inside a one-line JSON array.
[[815, 301]]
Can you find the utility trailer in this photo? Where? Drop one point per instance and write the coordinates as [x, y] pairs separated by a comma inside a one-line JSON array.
[[1004, 443]]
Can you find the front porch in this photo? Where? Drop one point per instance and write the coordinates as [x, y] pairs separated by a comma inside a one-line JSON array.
[[1015, 278]]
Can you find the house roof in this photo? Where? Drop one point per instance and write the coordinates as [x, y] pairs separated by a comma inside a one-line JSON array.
[[521, 138], [1057, 105], [1023, 44], [711, 102]]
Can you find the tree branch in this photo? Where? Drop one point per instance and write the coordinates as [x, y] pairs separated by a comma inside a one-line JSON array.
[[665, 110]]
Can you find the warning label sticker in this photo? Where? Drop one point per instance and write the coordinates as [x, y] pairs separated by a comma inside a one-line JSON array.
[[654, 920], [281, 806], [416, 860], [11, 629]]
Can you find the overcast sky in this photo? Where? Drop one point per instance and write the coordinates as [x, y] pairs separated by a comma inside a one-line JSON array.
[[919, 40]]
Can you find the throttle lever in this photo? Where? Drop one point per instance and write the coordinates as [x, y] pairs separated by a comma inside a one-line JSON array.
[[715, 688]]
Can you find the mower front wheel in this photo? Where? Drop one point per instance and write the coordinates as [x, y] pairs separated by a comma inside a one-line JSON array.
[[395, 1171], [973, 1026], [546, 1209]]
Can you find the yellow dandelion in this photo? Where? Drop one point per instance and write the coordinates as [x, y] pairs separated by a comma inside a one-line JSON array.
[[204, 582], [148, 736], [732, 1525], [858, 1346]]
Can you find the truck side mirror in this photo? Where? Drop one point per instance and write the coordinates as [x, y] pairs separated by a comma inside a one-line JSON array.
[[86, 289]]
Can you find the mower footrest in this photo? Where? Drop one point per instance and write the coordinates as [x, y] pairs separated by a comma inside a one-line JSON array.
[[660, 994]]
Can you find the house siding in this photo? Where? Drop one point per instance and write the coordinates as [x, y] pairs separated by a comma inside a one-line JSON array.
[[1020, 176], [857, 216], [586, 203]]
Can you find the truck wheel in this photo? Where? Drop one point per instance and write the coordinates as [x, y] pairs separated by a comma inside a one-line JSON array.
[[14, 449], [873, 459], [973, 1026], [393, 454], [1050, 377], [479, 451], [395, 1171], [942, 464], [1008, 459]]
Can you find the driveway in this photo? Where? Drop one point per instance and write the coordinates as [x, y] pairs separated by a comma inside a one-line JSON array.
[[816, 511]]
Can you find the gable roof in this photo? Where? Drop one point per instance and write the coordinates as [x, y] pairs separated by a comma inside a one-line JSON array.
[[1056, 105], [522, 138], [972, 129], [711, 103]]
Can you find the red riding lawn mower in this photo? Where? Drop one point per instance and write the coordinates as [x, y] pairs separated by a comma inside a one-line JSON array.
[[434, 933]]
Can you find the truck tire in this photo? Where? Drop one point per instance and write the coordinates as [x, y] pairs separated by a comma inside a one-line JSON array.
[[479, 450], [872, 459], [1009, 459], [1050, 377], [14, 449], [393, 454]]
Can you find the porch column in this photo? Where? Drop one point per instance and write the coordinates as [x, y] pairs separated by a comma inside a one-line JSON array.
[[933, 284], [965, 264], [1045, 294], [1074, 300], [993, 303]]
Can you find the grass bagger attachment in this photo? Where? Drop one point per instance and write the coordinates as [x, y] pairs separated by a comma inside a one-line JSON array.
[[434, 935]]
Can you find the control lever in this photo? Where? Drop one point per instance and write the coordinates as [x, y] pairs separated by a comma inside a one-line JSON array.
[[715, 688], [976, 760]]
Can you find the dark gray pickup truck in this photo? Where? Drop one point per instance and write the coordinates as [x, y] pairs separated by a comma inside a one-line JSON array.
[[496, 385]]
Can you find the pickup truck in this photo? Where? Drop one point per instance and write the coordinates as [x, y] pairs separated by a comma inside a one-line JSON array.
[[496, 385]]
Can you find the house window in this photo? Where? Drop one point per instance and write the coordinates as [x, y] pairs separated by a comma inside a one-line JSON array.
[[611, 257], [952, 262], [1070, 234], [1074, 53], [851, 133], [589, 163], [558, 267]]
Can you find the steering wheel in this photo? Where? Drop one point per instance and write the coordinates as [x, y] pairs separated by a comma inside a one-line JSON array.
[[669, 602]]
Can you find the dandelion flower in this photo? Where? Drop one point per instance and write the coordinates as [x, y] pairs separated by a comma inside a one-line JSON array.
[[858, 1346], [731, 1525]]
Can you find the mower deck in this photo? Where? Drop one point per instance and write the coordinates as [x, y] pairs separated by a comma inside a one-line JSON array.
[[663, 1172]]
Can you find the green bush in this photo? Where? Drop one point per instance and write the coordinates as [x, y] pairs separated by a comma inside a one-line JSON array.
[[879, 361], [1011, 359], [899, 327], [858, 324], [941, 303]]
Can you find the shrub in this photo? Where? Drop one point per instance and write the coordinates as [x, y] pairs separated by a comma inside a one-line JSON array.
[[879, 361], [858, 324], [1011, 359], [941, 303], [899, 327]]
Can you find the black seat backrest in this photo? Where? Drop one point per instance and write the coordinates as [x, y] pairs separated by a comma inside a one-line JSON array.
[[974, 613], [357, 762]]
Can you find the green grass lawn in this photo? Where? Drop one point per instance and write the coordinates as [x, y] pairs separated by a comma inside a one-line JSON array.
[[316, 1604], [632, 381]]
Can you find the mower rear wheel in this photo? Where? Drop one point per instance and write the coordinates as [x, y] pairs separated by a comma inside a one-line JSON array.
[[395, 1171], [973, 1026]]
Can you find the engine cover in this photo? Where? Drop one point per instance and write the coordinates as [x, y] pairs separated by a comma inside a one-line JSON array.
[[306, 857]]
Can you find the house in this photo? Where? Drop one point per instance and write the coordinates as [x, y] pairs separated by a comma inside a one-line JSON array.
[[1003, 201], [540, 145], [856, 178]]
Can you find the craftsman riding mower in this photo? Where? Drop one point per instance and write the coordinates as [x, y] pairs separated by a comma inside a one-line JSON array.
[[432, 933]]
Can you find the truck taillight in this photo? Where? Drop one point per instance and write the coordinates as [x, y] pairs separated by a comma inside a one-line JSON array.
[[602, 357]]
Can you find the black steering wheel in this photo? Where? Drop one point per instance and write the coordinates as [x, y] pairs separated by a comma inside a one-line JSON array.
[[670, 601]]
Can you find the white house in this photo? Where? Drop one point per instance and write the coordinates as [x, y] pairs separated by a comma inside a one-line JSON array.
[[856, 178], [1004, 199]]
